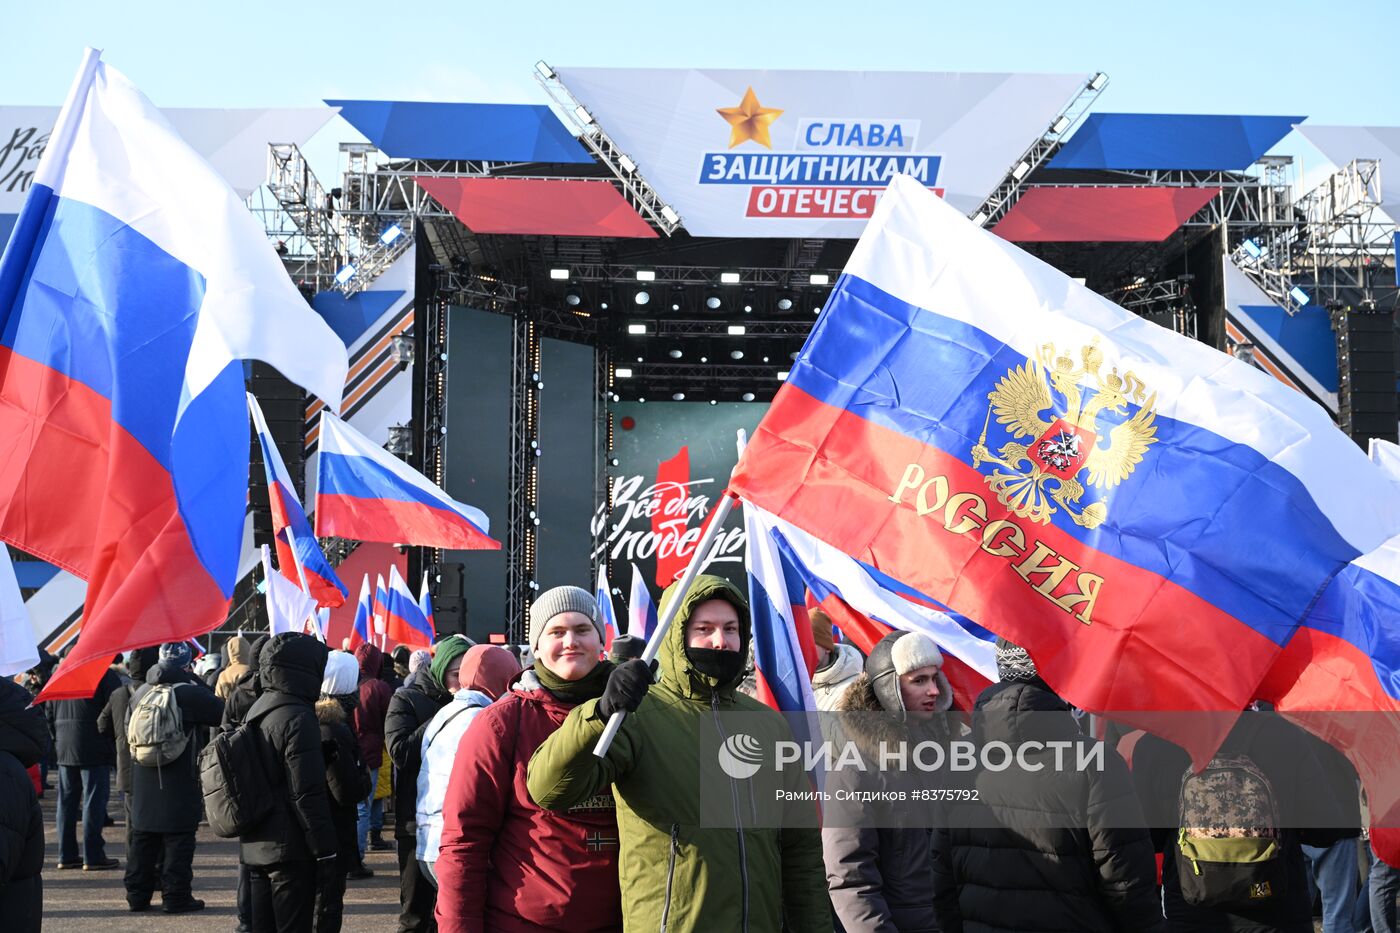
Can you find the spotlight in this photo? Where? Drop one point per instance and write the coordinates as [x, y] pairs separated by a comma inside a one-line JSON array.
[[639, 359], [614, 462], [748, 309], [736, 330], [622, 372], [559, 274], [980, 218], [1300, 296], [782, 375], [392, 233], [603, 305], [646, 275], [626, 164], [583, 115], [573, 299], [818, 278], [675, 307], [1060, 126], [712, 302], [346, 273], [401, 349], [713, 402], [641, 401], [642, 297], [729, 278], [1020, 170], [636, 328], [545, 71], [747, 396], [1098, 81], [784, 304], [669, 215], [704, 359], [675, 354], [793, 355], [678, 397], [736, 354]]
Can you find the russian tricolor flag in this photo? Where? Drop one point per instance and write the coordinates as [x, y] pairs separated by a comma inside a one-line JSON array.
[[425, 602], [379, 609], [360, 632], [298, 551], [132, 288], [366, 493], [783, 657], [1163, 527], [641, 610], [404, 621], [603, 597]]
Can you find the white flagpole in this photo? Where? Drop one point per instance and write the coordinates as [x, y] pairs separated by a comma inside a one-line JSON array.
[[700, 557]]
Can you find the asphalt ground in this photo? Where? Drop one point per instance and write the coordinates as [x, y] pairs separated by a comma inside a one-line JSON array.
[[95, 902]]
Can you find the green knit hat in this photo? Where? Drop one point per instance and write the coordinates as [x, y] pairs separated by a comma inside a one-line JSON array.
[[453, 646]]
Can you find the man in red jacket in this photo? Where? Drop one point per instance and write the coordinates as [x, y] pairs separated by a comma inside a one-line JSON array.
[[505, 865], [375, 695]]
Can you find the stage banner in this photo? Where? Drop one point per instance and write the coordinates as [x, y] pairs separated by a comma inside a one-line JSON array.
[[807, 153], [233, 141], [674, 459]]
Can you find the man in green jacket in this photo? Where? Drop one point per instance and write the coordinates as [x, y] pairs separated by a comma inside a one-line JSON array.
[[679, 872]]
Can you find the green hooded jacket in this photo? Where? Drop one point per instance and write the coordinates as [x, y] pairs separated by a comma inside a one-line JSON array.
[[676, 874]]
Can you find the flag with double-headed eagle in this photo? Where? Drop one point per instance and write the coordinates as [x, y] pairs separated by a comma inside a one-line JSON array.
[[1163, 527]]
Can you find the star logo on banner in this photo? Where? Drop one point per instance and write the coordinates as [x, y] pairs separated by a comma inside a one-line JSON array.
[[749, 120]]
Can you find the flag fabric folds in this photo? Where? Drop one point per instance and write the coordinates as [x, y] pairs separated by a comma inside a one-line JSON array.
[[360, 631], [289, 608], [290, 526], [365, 492], [1163, 527], [19, 649], [602, 595], [425, 602], [132, 287], [404, 621], [379, 615], [641, 610], [783, 663]]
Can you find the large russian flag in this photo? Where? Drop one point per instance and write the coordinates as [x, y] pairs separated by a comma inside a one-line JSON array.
[[132, 288], [404, 621], [602, 595], [297, 547], [1163, 527], [366, 493]]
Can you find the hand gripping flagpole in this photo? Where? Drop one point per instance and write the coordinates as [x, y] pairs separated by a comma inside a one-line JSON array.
[[699, 558]]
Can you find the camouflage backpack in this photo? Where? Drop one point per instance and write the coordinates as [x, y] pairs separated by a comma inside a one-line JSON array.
[[1229, 853]]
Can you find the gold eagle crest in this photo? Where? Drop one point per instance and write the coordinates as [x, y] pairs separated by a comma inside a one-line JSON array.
[[1066, 444]]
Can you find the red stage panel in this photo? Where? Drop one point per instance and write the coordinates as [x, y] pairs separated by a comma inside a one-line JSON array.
[[550, 207], [1050, 214]]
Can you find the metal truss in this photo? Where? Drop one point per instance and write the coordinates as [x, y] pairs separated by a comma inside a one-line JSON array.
[[696, 374], [1335, 235], [1167, 302], [1008, 192], [306, 204], [485, 292], [702, 328], [635, 189], [523, 479], [602, 451]]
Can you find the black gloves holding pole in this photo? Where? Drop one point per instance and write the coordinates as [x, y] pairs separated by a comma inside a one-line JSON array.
[[627, 686]]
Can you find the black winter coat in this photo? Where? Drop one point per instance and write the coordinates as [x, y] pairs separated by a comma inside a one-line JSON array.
[[246, 689], [76, 739], [1060, 859], [1287, 756], [348, 779], [112, 722], [24, 740], [170, 799], [412, 707], [880, 870], [299, 827]]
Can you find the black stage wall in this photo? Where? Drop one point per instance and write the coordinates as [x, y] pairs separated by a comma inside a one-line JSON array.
[[565, 465], [477, 452], [673, 461]]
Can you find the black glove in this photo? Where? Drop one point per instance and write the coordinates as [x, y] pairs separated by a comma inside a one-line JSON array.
[[627, 686]]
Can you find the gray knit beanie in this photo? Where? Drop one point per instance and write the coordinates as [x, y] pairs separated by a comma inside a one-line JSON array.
[[561, 599], [1014, 662]]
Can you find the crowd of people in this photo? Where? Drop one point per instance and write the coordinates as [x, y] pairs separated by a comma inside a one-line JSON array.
[[505, 820]]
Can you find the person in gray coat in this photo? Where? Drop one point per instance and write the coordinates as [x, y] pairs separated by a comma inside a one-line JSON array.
[[880, 874]]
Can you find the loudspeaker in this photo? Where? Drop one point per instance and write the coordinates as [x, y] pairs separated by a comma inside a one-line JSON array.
[[1366, 370], [284, 407], [450, 606]]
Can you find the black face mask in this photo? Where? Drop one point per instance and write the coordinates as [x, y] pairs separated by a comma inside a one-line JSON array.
[[724, 666]]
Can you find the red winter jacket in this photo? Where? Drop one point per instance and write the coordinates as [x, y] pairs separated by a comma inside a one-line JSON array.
[[505, 865], [375, 695]]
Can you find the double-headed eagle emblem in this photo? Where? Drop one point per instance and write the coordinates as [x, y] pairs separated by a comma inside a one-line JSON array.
[[1026, 401]]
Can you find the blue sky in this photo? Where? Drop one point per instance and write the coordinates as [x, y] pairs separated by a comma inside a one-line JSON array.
[[1285, 57]]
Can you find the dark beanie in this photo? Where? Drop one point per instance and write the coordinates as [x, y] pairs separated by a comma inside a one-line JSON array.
[[444, 653]]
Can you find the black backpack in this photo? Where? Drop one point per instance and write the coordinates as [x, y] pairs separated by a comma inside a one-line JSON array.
[[236, 797], [1229, 852]]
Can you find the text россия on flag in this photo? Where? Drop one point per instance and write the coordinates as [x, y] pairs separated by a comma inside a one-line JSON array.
[[134, 285]]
